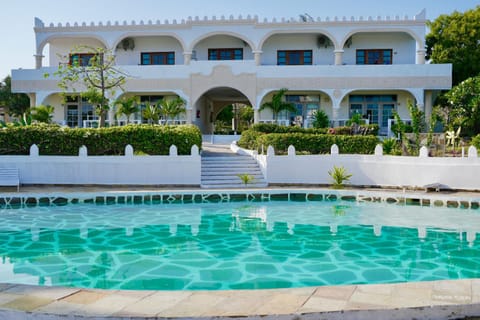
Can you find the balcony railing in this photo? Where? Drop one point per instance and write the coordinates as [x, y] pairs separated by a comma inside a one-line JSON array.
[[94, 123], [279, 122], [172, 122]]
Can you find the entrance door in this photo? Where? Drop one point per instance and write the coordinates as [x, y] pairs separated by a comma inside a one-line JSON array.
[[72, 115], [387, 113], [372, 112]]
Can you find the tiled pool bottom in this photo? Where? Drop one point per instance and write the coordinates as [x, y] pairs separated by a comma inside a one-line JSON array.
[[39, 198], [424, 300]]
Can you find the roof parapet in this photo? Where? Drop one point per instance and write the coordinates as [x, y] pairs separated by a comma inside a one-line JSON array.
[[231, 19]]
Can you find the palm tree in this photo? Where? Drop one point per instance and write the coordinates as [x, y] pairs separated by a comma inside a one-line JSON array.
[[152, 114], [278, 104], [172, 108], [127, 107], [42, 113]]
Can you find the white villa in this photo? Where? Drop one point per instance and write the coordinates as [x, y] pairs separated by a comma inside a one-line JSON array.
[[342, 65]]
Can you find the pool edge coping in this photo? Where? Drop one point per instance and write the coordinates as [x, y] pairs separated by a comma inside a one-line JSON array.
[[441, 299]]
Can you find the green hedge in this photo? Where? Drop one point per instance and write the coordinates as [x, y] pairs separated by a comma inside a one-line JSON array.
[[56, 140], [275, 128], [308, 143], [476, 142], [368, 129]]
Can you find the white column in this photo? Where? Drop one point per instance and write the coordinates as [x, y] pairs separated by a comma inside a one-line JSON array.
[[335, 111], [256, 115], [189, 116], [421, 56], [428, 105], [33, 100], [38, 60], [338, 57], [187, 57], [258, 57]]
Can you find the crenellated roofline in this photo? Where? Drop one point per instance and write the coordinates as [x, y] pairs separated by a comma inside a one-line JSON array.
[[302, 20]]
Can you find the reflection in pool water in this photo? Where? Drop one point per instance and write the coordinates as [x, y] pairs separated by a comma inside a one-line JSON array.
[[249, 245]]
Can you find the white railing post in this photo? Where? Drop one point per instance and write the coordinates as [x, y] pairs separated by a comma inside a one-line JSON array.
[[379, 150], [334, 150], [128, 151], [423, 152], [270, 151], [472, 152], [291, 151], [34, 150], [173, 152], [83, 151], [194, 151]]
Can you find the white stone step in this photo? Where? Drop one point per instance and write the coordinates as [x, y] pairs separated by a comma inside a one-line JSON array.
[[222, 172], [231, 178], [231, 186], [233, 158], [235, 170], [229, 163]]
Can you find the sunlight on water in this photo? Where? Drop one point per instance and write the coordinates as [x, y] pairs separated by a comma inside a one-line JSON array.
[[242, 245]]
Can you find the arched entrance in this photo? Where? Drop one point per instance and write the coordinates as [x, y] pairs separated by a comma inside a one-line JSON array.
[[212, 102]]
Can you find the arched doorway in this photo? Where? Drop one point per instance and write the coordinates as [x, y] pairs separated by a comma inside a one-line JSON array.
[[212, 102]]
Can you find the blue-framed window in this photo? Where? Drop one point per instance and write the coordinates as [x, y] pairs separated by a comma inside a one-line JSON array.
[[225, 54], [294, 57], [158, 58]]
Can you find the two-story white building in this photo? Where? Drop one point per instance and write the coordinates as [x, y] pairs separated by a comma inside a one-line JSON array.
[[342, 65]]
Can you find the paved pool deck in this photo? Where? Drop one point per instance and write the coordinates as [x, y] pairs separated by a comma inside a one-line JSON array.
[[446, 299], [422, 300]]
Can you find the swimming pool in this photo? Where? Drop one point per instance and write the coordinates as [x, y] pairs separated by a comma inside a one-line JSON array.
[[236, 245]]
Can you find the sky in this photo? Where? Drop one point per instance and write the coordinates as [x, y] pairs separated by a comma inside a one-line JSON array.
[[17, 16]]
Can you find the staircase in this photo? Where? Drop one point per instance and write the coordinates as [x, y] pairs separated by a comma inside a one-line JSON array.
[[220, 169]]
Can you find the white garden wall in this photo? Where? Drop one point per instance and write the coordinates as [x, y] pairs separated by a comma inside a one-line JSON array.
[[373, 170], [107, 170]]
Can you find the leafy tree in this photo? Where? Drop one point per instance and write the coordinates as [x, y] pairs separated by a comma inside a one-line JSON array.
[[247, 114], [97, 76], [320, 119], [226, 115], [151, 114], [465, 102], [454, 39], [418, 126], [170, 108], [127, 106], [278, 104], [42, 113], [17, 104]]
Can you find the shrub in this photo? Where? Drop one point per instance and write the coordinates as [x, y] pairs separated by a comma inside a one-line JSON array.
[[390, 145], [56, 140], [476, 142], [312, 143], [371, 129], [356, 118], [320, 119], [339, 177], [275, 128], [248, 139]]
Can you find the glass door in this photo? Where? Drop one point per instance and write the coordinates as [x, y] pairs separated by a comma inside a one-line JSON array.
[[72, 115], [372, 112]]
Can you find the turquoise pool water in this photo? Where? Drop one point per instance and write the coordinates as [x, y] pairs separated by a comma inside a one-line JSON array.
[[239, 245]]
